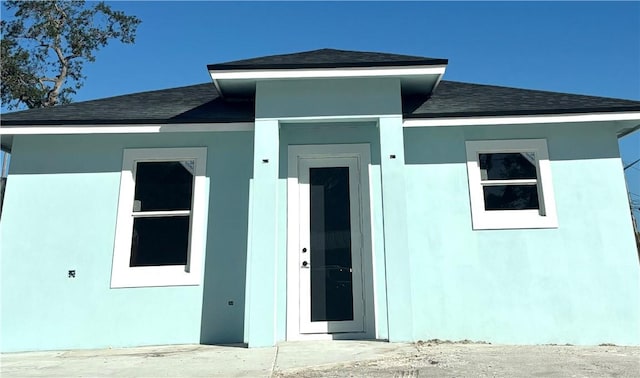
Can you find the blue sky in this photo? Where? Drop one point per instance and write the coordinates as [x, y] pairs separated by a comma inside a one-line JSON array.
[[576, 47]]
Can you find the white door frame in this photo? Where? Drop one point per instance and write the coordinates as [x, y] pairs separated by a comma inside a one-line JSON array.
[[357, 323], [362, 155]]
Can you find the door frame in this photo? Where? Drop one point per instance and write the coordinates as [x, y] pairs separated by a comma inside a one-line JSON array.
[[305, 164], [363, 155]]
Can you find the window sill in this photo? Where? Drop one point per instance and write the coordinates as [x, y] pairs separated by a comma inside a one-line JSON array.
[[512, 219], [151, 276]]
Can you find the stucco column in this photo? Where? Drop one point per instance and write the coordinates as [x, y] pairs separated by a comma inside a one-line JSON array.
[[396, 246], [260, 308]]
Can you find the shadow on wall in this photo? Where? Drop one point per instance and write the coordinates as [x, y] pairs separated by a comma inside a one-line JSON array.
[[6, 158], [3, 184], [223, 301], [446, 145]]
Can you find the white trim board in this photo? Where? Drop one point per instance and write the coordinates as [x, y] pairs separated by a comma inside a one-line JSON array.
[[249, 126], [190, 274], [519, 120], [544, 217], [132, 129], [245, 74], [337, 118]]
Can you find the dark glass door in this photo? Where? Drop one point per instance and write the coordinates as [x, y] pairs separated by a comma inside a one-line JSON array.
[[330, 245]]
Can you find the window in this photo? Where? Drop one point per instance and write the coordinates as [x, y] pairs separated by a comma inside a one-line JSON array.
[[161, 218], [510, 184]]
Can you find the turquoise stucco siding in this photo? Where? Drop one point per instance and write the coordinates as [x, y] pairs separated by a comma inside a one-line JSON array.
[[577, 284], [431, 274], [262, 268], [59, 215], [398, 257], [281, 103], [328, 97]]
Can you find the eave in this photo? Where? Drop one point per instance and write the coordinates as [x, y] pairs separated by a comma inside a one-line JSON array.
[[241, 83]]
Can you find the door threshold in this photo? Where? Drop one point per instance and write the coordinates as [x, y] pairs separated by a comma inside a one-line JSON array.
[[332, 336]]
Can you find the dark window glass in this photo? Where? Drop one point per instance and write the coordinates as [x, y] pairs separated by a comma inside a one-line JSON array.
[[511, 197], [331, 293], [166, 185], [507, 166], [160, 241]]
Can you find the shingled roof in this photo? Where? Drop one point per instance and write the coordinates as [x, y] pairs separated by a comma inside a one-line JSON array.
[[192, 104], [456, 99], [201, 103], [327, 58]]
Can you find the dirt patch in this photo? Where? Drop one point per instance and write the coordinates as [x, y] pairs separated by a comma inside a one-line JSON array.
[[444, 358], [439, 342]]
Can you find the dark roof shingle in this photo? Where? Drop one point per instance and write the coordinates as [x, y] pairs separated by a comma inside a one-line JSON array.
[[456, 99], [191, 104], [201, 103], [327, 58]]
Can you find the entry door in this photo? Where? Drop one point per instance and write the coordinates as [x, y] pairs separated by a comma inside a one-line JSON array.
[[330, 250]]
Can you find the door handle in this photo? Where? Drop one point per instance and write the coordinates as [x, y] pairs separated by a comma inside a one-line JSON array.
[[305, 264]]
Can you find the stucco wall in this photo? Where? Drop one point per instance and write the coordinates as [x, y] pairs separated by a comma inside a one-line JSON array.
[[361, 102], [578, 284], [59, 215]]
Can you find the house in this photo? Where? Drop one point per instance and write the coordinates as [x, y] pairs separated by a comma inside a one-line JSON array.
[[319, 195]]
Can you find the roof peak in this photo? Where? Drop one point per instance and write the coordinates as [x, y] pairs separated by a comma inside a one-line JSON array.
[[327, 58]]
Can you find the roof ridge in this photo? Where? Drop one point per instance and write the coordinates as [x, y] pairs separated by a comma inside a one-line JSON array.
[[327, 58]]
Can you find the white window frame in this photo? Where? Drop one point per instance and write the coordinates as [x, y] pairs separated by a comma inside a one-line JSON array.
[[545, 217], [122, 275]]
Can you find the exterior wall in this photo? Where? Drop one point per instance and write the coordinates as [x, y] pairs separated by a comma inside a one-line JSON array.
[[355, 107], [578, 284], [328, 98], [59, 215], [433, 276]]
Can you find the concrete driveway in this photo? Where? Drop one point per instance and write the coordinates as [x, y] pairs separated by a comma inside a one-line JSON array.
[[333, 359]]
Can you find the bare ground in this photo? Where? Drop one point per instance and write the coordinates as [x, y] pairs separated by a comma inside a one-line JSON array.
[[466, 359]]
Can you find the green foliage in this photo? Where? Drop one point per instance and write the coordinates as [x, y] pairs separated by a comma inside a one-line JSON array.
[[46, 43]]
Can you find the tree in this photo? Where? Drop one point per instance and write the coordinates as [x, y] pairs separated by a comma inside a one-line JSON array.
[[46, 43]]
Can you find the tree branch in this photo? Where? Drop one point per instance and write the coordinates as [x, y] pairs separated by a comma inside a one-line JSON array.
[[53, 93], [72, 30], [59, 53], [64, 14]]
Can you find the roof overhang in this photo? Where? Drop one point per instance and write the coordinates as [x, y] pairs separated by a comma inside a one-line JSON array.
[[8, 132], [415, 80], [626, 122]]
